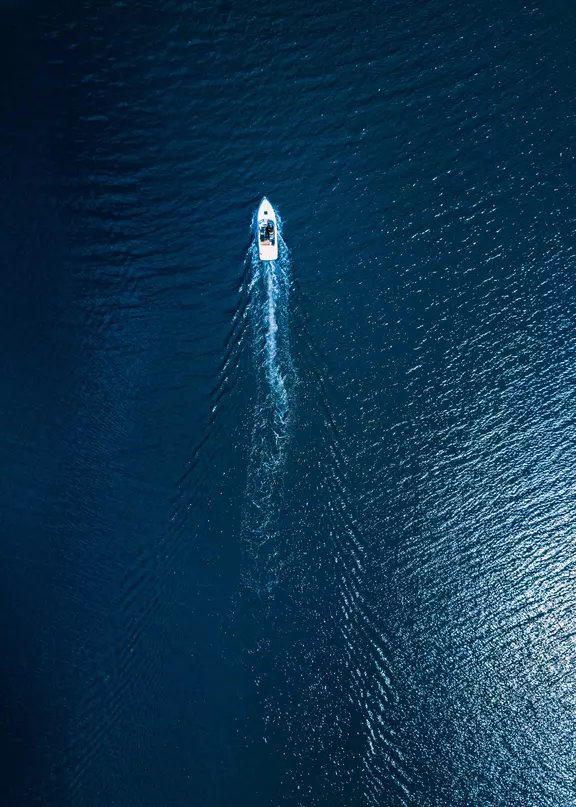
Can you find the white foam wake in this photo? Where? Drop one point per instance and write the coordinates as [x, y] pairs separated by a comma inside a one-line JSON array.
[[274, 378]]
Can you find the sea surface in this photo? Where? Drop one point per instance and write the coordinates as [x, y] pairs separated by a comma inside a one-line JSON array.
[[298, 534]]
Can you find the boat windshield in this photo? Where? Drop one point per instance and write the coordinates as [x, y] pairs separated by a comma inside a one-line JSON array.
[[267, 233]]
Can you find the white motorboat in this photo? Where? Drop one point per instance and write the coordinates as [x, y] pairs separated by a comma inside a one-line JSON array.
[[267, 231]]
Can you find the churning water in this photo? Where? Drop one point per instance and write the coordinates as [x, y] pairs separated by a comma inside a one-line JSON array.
[[273, 371]]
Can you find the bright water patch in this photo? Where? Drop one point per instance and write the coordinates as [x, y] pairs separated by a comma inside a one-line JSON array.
[[269, 291]]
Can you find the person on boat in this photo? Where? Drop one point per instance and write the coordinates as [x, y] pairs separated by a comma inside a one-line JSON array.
[[267, 232]]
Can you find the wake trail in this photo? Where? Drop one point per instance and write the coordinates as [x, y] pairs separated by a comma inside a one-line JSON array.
[[274, 375]]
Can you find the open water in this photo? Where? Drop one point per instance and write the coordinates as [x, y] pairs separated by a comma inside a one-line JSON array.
[[299, 534]]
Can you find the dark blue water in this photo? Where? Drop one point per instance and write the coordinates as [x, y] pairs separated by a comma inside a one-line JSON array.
[[296, 534]]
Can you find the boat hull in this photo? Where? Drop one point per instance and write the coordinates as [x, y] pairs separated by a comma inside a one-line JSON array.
[[267, 231]]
